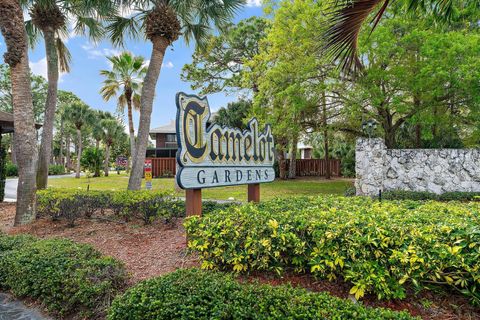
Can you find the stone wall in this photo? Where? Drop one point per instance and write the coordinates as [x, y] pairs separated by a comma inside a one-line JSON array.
[[432, 170]]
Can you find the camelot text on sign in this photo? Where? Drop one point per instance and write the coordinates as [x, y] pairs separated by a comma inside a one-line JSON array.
[[214, 155]]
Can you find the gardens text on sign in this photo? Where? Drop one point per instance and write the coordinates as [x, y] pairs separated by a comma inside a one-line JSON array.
[[212, 156]]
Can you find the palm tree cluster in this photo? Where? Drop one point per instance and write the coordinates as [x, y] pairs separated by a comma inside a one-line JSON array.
[[86, 127], [131, 80]]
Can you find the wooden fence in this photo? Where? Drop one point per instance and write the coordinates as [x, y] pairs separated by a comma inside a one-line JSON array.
[[163, 167], [315, 167]]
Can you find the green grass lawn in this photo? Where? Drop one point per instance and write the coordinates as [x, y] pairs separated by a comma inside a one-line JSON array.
[[300, 186]]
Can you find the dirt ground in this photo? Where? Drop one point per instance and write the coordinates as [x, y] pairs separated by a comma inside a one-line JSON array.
[[153, 250]]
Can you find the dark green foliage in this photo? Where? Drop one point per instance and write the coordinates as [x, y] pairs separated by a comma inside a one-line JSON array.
[[66, 277], [56, 169], [234, 114], [350, 192], [92, 160], [194, 294], [423, 195], [11, 170], [409, 195], [71, 204], [382, 248]]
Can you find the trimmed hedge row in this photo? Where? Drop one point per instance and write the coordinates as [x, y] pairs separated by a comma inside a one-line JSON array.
[[378, 247], [423, 195], [66, 277], [194, 294], [71, 204]]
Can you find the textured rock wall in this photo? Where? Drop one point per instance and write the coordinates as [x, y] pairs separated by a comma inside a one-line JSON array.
[[432, 170]]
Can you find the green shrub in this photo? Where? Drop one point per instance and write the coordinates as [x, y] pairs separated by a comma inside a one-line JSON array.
[[194, 294], [460, 196], [71, 204], [377, 247], [423, 195], [66, 277], [409, 195], [56, 169], [350, 192], [11, 170]]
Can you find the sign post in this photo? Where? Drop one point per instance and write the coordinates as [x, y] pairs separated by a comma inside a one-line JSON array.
[[148, 174], [213, 155]]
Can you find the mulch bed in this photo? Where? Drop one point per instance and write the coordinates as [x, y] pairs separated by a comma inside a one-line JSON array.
[[156, 249]]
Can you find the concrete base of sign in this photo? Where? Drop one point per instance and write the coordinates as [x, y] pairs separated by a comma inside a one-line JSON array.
[[193, 202], [254, 192]]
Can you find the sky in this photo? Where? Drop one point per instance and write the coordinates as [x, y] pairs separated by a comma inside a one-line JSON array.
[[88, 59]]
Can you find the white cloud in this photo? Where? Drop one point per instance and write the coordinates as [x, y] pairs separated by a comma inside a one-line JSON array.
[[254, 3], [95, 53], [168, 64], [40, 68]]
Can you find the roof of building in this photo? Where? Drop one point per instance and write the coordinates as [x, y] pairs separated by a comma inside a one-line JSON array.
[[168, 128], [6, 122], [171, 128]]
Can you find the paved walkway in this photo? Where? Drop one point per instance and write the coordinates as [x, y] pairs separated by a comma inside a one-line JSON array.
[[12, 183], [15, 310]]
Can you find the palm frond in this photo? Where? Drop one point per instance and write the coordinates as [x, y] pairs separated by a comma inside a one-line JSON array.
[[33, 33], [64, 55], [119, 28], [344, 28], [90, 27]]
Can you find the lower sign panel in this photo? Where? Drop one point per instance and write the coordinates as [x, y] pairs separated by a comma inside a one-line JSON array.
[[207, 177]]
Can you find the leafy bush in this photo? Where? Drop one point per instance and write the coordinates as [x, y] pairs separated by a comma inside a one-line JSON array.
[[71, 204], [423, 195], [66, 277], [56, 169], [194, 294], [350, 192], [11, 170], [378, 247], [92, 160]]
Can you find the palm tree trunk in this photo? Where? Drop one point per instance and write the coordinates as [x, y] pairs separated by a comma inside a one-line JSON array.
[[61, 143], [50, 105], [67, 156], [107, 160], [131, 128], [146, 101], [79, 154], [13, 31]]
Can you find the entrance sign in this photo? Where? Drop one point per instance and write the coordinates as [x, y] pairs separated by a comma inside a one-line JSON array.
[[214, 155], [148, 174]]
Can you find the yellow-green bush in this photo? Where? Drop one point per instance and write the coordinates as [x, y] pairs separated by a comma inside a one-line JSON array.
[[378, 247]]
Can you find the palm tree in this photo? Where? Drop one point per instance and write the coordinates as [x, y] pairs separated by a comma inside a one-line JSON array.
[[97, 127], [50, 19], [126, 77], [25, 138], [163, 22], [80, 115], [349, 16], [112, 131]]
